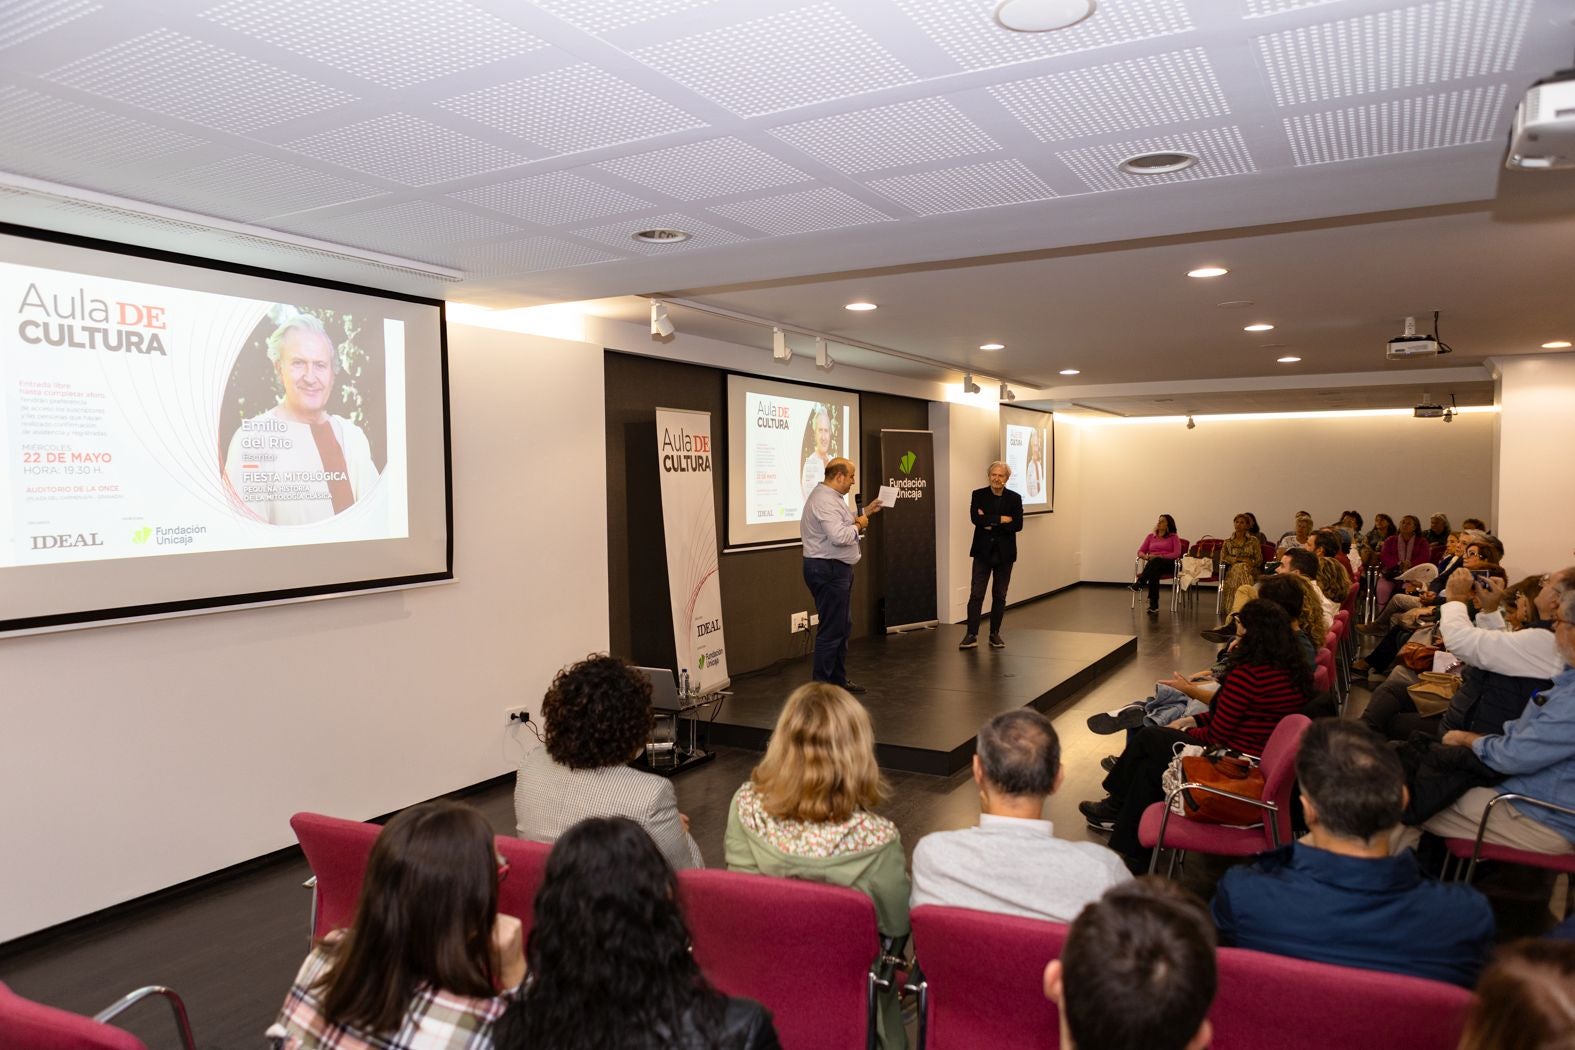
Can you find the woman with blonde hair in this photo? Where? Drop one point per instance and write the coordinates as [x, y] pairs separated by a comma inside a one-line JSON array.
[[1525, 999], [805, 812]]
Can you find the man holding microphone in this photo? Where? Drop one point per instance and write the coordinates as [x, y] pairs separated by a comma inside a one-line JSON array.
[[831, 534]]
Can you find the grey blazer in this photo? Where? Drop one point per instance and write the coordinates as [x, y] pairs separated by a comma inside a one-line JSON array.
[[550, 798]]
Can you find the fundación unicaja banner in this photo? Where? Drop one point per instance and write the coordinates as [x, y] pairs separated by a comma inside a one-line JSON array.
[[907, 464], [684, 456]]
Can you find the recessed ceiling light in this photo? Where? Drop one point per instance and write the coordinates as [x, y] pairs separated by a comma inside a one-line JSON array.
[[1259, 328], [1162, 162], [1234, 304], [1208, 271], [1557, 344], [661, 236], [1071, 371], [1288, 359], [860, 306], [1041, 16], [992, 346]]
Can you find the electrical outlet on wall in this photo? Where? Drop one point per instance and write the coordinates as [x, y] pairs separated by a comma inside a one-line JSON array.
[[798, 621], [814, 619], [517, 715]]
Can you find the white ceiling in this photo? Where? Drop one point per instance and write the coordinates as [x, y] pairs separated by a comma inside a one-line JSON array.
[[911, 151]]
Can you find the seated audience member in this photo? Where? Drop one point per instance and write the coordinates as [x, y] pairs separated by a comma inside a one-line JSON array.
[[1413, 594], [1525, 999], [1241, 556], [1302, 563], [1252, 527], [1373, 542], [1334, 568], [1478, 557], [1298, 538], [610, 965], [1137, 972], [1474, 523], [428, 963], [805, 812], [1266, 678], [1159, 552], [1437, 533], [1338, 896], [1402, 552], [1348, 529], [597, 718], [1536, 755], [1012, 862]]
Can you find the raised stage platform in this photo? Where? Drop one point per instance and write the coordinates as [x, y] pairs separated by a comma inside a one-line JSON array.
[[926, 697]]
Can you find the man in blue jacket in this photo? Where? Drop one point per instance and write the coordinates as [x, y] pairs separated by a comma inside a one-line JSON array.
[[997, 516]]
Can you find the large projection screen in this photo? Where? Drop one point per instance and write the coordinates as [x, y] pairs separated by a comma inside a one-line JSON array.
[[1028, 448], [779, 438], [182, 435]]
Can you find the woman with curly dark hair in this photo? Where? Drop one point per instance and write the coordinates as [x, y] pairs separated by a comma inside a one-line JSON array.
[[597, 716], [1266, 678], [609, 957]]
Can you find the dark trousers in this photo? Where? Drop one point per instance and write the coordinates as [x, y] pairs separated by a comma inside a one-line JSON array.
[[1135, 782], [831, 583], [982, 570], [1390, 712], [1153, 569]]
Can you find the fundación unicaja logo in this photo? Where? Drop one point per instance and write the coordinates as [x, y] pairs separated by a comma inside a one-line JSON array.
[[905, 464], [702, 661], [142, 534]]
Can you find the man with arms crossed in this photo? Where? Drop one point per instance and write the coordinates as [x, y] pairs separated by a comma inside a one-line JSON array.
[[997, 516], [1012, 862], [831, 534], [296, 464]]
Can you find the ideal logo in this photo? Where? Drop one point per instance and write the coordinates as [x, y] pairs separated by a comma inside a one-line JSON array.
[[66, 539], [142, 534], [907, 461]]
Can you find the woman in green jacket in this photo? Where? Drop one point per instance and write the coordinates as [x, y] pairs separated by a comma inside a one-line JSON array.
[[805, 813]]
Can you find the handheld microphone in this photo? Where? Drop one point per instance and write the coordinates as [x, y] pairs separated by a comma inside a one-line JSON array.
[[858, 504]]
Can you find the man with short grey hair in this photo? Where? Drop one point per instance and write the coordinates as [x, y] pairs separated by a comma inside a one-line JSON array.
[[1011, 862], [996, 513]]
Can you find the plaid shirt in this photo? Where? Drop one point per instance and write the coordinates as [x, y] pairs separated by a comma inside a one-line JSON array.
[[435, 1020]]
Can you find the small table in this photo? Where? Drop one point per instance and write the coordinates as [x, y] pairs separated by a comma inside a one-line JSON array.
[[683, 758]]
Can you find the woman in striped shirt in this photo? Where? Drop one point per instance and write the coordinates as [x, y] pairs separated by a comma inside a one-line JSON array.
[[1266, 678]]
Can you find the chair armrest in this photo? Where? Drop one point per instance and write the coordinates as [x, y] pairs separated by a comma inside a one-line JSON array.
[[1260, 803], [177, 1007]]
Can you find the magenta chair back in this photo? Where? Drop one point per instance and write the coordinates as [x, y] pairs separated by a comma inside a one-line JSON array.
[[1270, 1002], [337, 851], [984, 979], [802, 949], [26, 1025], [527, 868]]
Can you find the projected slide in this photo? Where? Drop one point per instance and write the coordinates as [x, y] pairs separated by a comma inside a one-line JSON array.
[[145, 420], [781, 436], [1028, 448]]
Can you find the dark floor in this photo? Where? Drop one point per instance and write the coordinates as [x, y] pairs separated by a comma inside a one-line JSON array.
[[232, 946]]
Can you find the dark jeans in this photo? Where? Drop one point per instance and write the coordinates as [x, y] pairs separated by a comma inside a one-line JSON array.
[[1134, 784], [1390, 712], [831, 583], [981, 575], [1153, 569]]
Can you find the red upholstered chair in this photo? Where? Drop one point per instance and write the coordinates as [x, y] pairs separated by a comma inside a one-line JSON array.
[[1208, 547], [805, 950], [1270, 1002], [1473, 850], [983, 979], [527, 867], [337, 851], [26, 1025], [1162, 829]]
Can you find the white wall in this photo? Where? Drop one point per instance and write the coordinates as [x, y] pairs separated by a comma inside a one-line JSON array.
[[1535, 494], [136, 757], [1133, 472], [967, 440]]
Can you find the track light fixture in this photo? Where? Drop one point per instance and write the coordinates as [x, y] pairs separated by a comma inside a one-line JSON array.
[[1006, 392], [1191, 423], [823, 359], [780, 351], [969, 386], [661, 324]]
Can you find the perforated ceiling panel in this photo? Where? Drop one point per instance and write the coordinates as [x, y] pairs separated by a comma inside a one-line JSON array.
[[1401, 126], [251, 186], [769, 64], [1388, 50], [1265, 8], [974, 40], [24, 19], [389, 227], [924, 129], [51, 138], [528, 255], [790, 213], [1220, 151], [988, 185], [394, 42], [553, 199], [406, 149], [601, 16], [620, 235], [714, 168], [1120, 96], [578, 108]]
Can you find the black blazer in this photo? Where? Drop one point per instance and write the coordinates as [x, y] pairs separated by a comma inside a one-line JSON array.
[[991, 535]]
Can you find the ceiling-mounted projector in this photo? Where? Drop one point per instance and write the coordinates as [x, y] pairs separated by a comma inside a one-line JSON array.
[[1409, 344], [1542, 137], [1428, 411]]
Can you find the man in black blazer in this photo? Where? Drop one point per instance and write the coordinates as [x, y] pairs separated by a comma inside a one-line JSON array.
[[997, 516]]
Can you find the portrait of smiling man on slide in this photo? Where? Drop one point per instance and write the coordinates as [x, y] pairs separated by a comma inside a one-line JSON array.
[[297, 463]]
